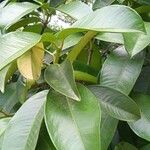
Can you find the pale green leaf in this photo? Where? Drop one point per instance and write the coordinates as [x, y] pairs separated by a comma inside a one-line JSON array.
[[15, 44], [23, 129]]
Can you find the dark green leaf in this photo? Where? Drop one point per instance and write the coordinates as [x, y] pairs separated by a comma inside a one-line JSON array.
[[60, 78], [73, 125], [116, 104], [125, 146]]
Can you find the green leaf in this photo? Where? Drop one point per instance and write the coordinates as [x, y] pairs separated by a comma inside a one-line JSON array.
[[56, 3], [75, 9], [44, 141], [15, 44], [108, 129], [146, 2], [135, 43], [145, 147], [3, 124], [107, 19], [8, 100], [110, 37], [73, 125], [3, 3], [5, 74], [30, 64], [142, 84], [15, 11], [116, 104], [120, 72], [23, 129], [60, 78], [141, 126], [125, 146], [101, 3]]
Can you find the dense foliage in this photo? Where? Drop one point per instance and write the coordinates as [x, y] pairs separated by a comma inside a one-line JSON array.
[[84, 87]]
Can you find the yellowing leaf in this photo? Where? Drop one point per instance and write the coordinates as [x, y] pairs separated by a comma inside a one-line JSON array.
[[30, 63]]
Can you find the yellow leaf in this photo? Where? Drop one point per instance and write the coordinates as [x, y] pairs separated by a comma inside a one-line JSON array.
[[30, 63]]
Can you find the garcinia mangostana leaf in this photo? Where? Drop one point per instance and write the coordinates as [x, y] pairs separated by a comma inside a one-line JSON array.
[[12, 12], [108, 19], [135, 42], [141, 126], [30, 63], [15, 44], [125, 146], [5, 74], [23, 129], [60, 77], [116, 104], [73, 125], [75, 9], [120, 72]]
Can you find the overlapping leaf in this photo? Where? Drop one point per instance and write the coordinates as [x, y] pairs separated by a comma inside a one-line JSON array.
[[15, 11], [14, 44], [23, 129], [120, 71], [60, 78], [73, 125], [116, 104]]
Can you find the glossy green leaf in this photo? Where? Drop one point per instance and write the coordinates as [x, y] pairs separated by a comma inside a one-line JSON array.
[[141, 126], [75, 9], [15, 11], [108, 129], [5, 74], [60, 78], [102, 3], [147, 2], [135, 43], [125, 146], [23, 129], [116, 104], [8, 100], [73, 125], [107, 19], [56, 3], [14, 44], [120, 71]]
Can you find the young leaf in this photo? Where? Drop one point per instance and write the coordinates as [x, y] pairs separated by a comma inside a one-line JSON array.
[[73, 125], [141, 126], [23, 129], [5, 74], [134, 43], [14, 44], [60, 78], [125, 146], [15, 11], [120, 72], [30, 63], [75, 9], [116, 104]]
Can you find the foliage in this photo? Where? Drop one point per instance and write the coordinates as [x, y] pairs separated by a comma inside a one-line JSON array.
[[85, 87]]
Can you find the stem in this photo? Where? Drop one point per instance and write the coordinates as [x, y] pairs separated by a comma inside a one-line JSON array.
[[81, 44], [82, 76]]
